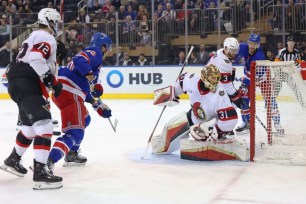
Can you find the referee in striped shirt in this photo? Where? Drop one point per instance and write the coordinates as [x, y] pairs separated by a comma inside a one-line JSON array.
[[289, 53]]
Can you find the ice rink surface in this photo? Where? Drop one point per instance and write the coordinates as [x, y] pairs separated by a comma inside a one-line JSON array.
[[115, 173]]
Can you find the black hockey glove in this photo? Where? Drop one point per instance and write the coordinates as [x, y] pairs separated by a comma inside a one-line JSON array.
[[51, 82]]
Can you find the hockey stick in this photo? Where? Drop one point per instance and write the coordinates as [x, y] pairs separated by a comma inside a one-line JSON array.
[[150, 138], [261, 123], [114, 125]]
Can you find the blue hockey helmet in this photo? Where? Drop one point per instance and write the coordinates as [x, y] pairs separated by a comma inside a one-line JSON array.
[[254, 38], [99, 39]]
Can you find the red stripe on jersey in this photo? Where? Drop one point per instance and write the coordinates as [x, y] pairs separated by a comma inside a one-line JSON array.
[[83, 54], [62, 146], [41, 147], [202, 92], [226, 114], [226, 78], [22, 145], [44, 48]]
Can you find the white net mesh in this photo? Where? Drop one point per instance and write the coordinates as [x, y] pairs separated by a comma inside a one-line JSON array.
[[280, 124]]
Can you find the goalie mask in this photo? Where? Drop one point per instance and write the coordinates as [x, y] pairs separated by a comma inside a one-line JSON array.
[[51, 18], [211, 76]]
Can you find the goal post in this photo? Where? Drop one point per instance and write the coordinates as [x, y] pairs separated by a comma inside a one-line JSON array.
[[278, 113]]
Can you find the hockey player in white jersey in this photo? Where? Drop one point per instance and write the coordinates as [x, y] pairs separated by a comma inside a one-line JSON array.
[[222, 59], [30, 79], [208, 101]]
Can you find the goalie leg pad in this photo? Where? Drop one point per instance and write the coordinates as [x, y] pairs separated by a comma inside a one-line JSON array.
[[211, 150], [168, 140]]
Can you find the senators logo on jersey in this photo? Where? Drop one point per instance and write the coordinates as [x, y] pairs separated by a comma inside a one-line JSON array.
[[198, 111]]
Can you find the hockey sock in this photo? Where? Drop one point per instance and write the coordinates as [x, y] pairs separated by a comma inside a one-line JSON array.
[[22, 143], [42, 149], [61, 147]]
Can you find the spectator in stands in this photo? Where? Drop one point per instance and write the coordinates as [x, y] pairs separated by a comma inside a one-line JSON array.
[[111, 13], [101, 2], [203, 55], [96, 7], [121, 13], [144, 31], [19, 6], [126, 61], [129, 30], [84, 17], [177, 4], [142, 61], [5, 55], [180, 59], [169, 13], [270, 55], [3, 6], [290, 15], [193, 59], [28, 15], [12, 5], [116, 4], [4, 30], [159, 11], [142, 12], [106, 7], [130, 12]]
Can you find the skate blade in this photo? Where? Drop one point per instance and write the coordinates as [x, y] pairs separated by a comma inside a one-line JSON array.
[[11, 170], [47, 185], [71, 164]]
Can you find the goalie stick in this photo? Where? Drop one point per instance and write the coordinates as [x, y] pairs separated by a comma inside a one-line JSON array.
[[150, 138]]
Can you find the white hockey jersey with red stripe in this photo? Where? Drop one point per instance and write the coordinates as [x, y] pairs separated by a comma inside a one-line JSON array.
[[225, 66], [207, 105], [39, 51]]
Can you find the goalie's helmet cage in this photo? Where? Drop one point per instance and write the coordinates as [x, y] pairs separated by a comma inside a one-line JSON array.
[[210, 74], [278, 113]]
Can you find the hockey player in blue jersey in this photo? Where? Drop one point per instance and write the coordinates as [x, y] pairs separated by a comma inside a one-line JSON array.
[[80, 84], [248, 53]]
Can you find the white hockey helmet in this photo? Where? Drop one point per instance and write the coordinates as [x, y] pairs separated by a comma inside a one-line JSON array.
[[51, 18], [231, 46]]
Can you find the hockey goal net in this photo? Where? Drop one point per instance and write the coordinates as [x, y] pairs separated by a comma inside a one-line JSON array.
[[278, 113]]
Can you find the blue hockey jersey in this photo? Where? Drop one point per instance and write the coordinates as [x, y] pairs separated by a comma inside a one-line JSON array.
[[245, 58], [88, 61]]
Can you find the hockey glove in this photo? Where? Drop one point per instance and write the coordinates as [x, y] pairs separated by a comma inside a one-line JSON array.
[[97, 90], [51, 82], [102, 109]]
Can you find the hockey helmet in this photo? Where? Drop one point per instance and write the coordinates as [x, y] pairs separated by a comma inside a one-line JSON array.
[[51, 18], [61, 52], [211, 76], [254, 38], [290, 38], [231, 46], [99, 39]]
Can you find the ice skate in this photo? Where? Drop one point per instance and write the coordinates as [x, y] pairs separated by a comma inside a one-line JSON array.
[[50, 164], [74, 159], [44, 179], [243, 129], [13, 165]]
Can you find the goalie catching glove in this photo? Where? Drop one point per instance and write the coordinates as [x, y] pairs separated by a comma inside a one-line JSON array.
[[165, 96], [102, 109]]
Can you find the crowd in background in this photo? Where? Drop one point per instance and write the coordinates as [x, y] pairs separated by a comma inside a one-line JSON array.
[[136, 21]]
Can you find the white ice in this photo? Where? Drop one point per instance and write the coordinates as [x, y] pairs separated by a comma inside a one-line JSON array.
[[115, 173]]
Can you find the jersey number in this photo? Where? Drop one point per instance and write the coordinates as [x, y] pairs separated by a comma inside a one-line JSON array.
[[23, 51]]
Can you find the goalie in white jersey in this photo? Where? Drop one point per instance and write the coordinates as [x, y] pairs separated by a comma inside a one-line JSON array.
[[222, 59], [30, 79], [208, 101]]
